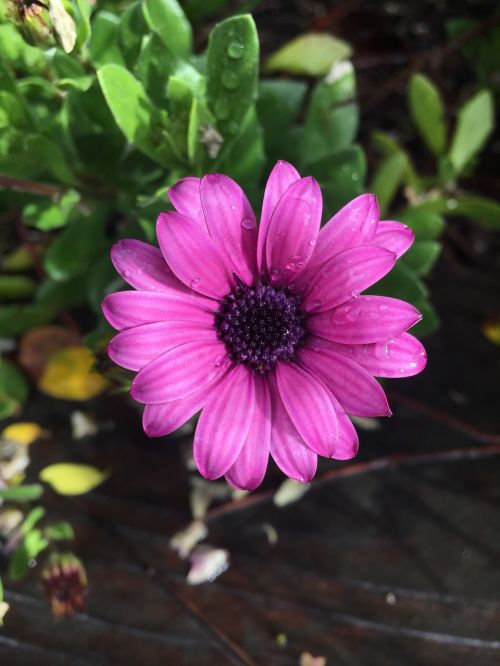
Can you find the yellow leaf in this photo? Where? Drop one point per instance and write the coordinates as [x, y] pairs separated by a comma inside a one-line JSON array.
[[22, 433], [73, 478], [69, 374], [4, 607], [491, 331], [63, 24]]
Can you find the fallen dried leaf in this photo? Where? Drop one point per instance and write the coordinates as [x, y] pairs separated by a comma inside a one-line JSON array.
[[290, 491], [39, 345], [70, 375], [184, 541], [207, 563]]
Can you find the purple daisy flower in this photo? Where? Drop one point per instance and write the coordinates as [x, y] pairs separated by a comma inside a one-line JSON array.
[[263, 328]]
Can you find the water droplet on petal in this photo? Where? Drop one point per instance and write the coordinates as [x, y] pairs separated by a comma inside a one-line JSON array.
[[128, 274], [218, 361], [312, 242], [248, 223], [275, 274], [235, 50], [194, 282], [233, 207]]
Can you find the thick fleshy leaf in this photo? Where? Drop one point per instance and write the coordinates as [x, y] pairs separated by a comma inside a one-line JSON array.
[[231, 223], [309, 408], [179, 372], [281, 177], [250, 466], [193, 255], [356, 390], [293, 231], [364, 320], [143, 267], [135, 347], [160, 420], [354, 224], [185, 198], [393, 236], [288, 449], [224, 423], [403, 356], [125, 309], [346, 275]]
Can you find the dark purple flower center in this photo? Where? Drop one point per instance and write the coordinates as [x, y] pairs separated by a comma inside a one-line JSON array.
[[261, 325]]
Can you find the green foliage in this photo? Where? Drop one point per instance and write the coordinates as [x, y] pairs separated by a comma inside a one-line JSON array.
[[13, 389], [313, 54], [427, 110], [475, 123]]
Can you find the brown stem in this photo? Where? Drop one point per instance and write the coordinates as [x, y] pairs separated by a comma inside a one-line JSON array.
[[31, 187]]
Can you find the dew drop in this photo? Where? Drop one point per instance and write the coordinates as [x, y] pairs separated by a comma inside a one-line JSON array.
[[194, 282], [229, 79], [222, 108], [233, 206], [275, 274], [312, 242], [218, 361], [248, 223], [316, 304], [128, 274], [235, 50]]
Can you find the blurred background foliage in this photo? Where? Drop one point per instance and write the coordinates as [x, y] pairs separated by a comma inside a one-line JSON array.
[[104, 105]]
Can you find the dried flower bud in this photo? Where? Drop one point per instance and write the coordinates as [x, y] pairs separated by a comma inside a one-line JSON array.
[[65, 584]]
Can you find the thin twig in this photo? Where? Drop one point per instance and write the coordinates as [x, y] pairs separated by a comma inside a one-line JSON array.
[[30, 187]]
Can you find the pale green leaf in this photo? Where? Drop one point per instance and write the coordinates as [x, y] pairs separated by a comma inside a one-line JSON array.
[[474, 125], [312, 54], [427, 110]]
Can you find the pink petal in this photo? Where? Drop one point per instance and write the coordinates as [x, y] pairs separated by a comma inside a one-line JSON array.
[[355, 389], [185, 198], [136, 347], [160, 420], [231, 223], [225, 423], [364, 320], [288, 450], [309, 407], [403, 356], [281, 177], [179, 372], [354, 224], [348, 443], [193, 256], [125, 309], [346, 275], [143, 267], [250, 466], [394, 236], [293, 231]]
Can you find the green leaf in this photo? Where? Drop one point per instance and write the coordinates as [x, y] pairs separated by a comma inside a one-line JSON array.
[[4, 607], [153, 67], [332, 118], [426, 225], [75, 248], [13, 389], [12, 111], [200, 121], [427, 110], [135, 114], [387, 146], [387, 180], [33, 517], [24, 493], [167, 18], [15, 319], [47, 215], [131, 31], [32, 545], [474, 125], [180, 99], [485, 212], [312, 54], [62, 531], [73, 478], [422, 256], [278, 107], [82, 10], [232, 72], [13, 287], [401, 283], [341, 177], [103, 45]]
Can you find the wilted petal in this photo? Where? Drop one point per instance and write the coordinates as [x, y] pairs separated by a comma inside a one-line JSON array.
[[309, 407], [356, 390], [194, 256], [281, 177], [394, 236], [346, 275], [403, 356], [288, 449], [136, 347], [231, 223], [185, 198], [250, 466], [224, 423], [364, 320], [179, 372], [293, 231], [125, 309]]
